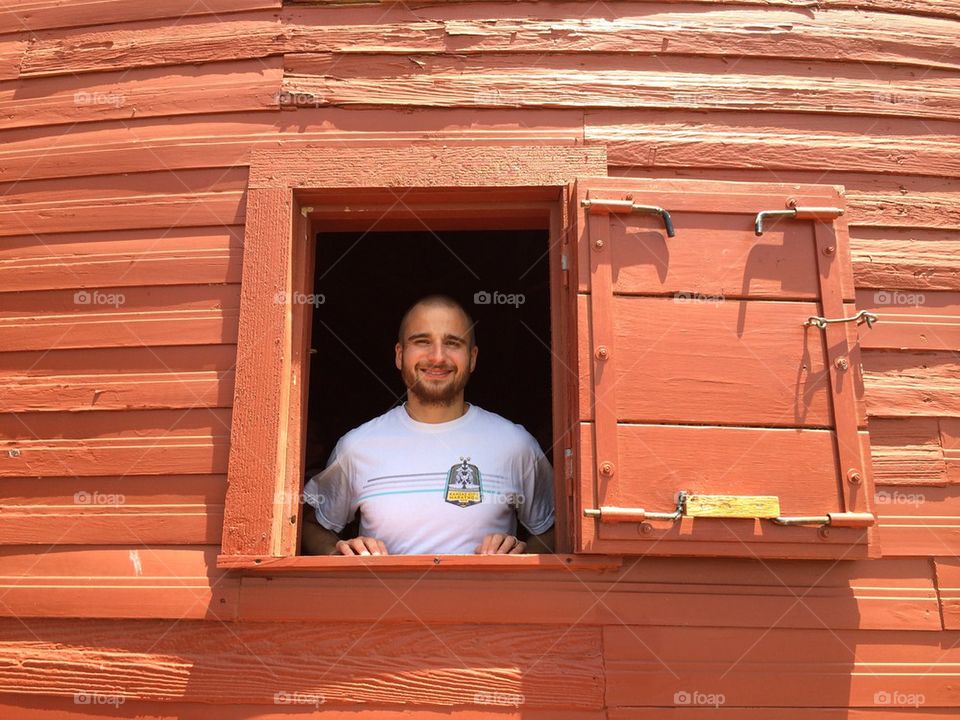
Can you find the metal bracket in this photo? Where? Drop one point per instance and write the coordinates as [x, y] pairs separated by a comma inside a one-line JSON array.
[[798, 213], [845, 520], [628, 206], [834, 519], [615, 514], [861, 317]]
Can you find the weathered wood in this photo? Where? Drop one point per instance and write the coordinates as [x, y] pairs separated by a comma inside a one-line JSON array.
[[767, 32], [39, 14], [438, 8], [260, 424], [928, 320], [919, 521], [706, 592], [134, 582], [152, 92], [172, 256], [234, 36], [549, 667], [185, 209], [423, 167], [907, 451], [948, 589], [950, 440], [226, 140], [783, 142], [522, 80], [911, 384], [118, 391], [771, 373], [147, 442], [119, 317], [499, 706], [847, 668], [906, 259], [739, 506]]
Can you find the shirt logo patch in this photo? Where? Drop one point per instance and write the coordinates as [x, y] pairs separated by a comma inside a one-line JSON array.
[[464, 487]]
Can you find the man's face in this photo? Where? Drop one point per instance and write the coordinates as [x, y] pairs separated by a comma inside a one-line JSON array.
[[435, 358]]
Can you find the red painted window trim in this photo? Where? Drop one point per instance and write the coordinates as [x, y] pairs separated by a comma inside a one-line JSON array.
[[261, 513]]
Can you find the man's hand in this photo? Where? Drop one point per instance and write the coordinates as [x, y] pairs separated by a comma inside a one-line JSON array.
[[361, 546], [500, 544]]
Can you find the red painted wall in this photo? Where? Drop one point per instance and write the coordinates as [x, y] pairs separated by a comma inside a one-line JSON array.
[[125, 133]]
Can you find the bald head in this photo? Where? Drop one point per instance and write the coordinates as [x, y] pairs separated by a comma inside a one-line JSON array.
[[440, 301]]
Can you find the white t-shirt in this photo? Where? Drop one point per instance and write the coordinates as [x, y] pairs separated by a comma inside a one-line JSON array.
[[435, 487]]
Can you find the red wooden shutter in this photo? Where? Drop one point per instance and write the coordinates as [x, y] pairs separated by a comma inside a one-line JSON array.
[[698, 373]]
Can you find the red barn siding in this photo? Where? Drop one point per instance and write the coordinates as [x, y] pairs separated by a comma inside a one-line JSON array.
[[126, 131]]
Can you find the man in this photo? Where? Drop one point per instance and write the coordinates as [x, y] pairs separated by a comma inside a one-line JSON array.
[[435, 475]]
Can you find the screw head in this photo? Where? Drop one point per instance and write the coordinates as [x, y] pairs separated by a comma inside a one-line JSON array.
[[854, 477], [602, 352], [598, 244], [606, 468], [824, 533], [646, 528], [841, 362], [13, 452], [829, 250]]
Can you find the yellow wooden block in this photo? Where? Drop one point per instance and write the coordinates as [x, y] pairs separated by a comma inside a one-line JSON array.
[[733, 506]]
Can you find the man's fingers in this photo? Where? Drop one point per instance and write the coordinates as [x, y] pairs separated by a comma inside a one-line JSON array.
[[500, 544], [362, 546], [504, 547]]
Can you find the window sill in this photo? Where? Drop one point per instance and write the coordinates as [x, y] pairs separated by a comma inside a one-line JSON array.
[[326, 563]]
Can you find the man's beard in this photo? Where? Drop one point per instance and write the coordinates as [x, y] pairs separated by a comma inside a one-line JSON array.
[[444, 394]]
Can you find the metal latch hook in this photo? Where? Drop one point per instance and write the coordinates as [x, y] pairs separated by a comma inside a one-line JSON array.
[[861, 317], [800, 213], [628, 206]]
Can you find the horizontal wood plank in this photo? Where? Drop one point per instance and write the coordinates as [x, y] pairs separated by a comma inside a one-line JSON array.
[[948, 589], [907, 451], [174, 256], [911, 384], [233, 36], [152, 92], [613, 81], [928, 320], [97, 582], [41, 14], [755, 361], [664, 666], [190, 661]]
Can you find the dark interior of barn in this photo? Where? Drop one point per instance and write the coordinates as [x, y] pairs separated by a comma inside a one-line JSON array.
[[365, 281]]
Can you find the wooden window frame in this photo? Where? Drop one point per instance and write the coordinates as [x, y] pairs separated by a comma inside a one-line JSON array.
[[286, 193]]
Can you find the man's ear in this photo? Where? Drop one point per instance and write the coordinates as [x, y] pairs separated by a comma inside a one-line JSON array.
[[473, 357], [399, 356]]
